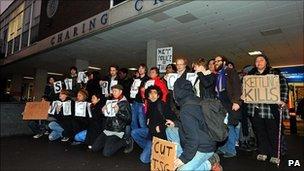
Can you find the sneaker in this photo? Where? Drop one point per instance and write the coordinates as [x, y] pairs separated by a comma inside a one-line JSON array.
[[229, 155], [216, 167], [75, 143], [261, 157], [37, 136], [46, 133], [215, 158], [129, 146], [65, 139], [274, 160]]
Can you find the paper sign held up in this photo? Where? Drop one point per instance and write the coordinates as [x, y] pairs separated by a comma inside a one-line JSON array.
[[149, 83], [163, 155], [57, 87], [109, 108], [36, 111], [261, 89], [172, 77], [191, 77]]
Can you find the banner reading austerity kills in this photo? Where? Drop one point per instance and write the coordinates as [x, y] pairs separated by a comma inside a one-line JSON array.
[[261, 89], [163, 155]]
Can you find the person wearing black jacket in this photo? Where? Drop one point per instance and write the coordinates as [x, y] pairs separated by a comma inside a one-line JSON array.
[[75, 85], [125, 81], [93, 84], [195, 149], [204, 85], [61, 124], [112, 137], [156, 119], [49, 93]]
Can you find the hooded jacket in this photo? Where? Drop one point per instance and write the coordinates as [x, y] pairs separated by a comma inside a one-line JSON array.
[[192, 130]]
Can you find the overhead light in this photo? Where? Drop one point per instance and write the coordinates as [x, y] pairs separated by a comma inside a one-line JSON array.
[[29, 78], [54, 73], [95, 68], [9, 80], [255, 53], [132, 69]]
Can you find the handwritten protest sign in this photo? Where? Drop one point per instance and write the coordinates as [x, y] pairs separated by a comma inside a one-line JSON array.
[[163, 58], [80, 109], [68, 83], [172, 77], [82, 77], [36, 111], [134, 88], [109, 108], [191, 77], [67, 108], [113, 83], [261, 89], [163, 155], [104, 87], [57, 87]]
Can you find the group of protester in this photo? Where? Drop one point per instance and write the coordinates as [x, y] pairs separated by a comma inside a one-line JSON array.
[[142, 111]]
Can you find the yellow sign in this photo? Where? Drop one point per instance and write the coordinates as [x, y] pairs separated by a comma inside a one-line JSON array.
[[261, 89], [163, 155]]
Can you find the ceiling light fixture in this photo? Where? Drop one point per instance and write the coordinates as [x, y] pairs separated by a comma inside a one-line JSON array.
[[94, 68], [255, 53], [54, 73]]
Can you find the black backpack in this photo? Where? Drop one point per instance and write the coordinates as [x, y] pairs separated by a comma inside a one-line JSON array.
[[214, 114]]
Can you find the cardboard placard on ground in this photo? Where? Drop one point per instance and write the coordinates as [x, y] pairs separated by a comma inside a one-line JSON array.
[[261, 89], [36, 111], [163, 155]]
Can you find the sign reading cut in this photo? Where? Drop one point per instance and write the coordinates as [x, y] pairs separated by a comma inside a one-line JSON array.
[[261, 89], [163, 155]]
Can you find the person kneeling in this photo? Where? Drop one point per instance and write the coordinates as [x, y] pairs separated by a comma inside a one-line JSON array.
[[118, 117], [195, 149]]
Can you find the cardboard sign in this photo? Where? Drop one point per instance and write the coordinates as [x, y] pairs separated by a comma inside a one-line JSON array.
[[104, 87], [163, 155], [171, 78], [191, 77], [109, 108], [80, 109], [163, 58], [149, 83], [134, 88], [36, 111], [57, 87], [261, 89], [68, 83], [82, 77]]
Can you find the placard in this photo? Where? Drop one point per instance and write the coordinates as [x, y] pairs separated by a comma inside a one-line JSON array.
[[261, 89], [113, 83], [82, 77], [67, 108], [36, 110], [104, 87], [109, 108], [57, 87], [80, 109], [163, 155], [171, 78], [149, 83], [134, 88], [164, 58], [68, 83], [191, 77]]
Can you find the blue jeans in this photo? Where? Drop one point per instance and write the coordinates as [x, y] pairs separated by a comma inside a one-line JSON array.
[[81, 136], [138, 116], [56, 131], [142, 138], [199, 161], [233, 136]]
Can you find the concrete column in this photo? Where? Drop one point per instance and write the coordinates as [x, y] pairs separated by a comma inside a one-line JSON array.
[[16, 84], [40, 81], [81, 64], [152, 46]]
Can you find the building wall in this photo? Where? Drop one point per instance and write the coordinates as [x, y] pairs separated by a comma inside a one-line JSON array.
[[68, 14]]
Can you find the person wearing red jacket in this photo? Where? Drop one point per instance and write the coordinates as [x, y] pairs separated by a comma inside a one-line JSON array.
[[158, 82]]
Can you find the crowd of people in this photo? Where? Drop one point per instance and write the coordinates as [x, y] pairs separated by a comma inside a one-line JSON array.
[[137, 108]]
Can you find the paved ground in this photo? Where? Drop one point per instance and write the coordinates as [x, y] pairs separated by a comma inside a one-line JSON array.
[[25, 153]]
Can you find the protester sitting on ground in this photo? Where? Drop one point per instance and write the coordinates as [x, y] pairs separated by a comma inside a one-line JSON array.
[[204, 85], [39, 127], [79, 122], [195, 149], [57, 127], [118, 117], [266, 117], [156, 119]]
